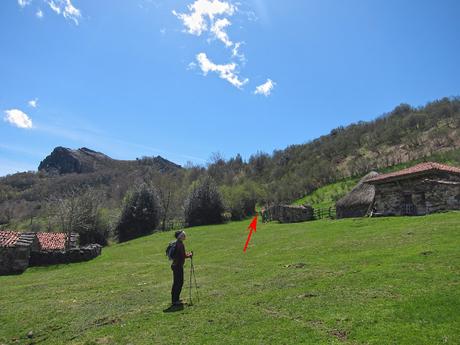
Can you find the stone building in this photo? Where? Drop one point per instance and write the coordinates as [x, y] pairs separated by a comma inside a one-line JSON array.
[[21, 250], [15, 251], [288, 213], [59, 248], [419, 190], [358, 202]]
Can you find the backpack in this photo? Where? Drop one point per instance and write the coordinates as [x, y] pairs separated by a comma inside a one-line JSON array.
[[171, 250]]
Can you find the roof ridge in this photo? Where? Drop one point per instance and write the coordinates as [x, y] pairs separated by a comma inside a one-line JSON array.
[[422, 167]]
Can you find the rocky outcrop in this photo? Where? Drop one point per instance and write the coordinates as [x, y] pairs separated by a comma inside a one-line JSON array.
[[66, 161]]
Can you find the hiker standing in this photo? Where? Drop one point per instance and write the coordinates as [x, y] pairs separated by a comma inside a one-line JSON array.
[[177, 267]]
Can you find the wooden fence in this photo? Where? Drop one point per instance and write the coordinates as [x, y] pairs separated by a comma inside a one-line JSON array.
[[322, 213], [174, 225]]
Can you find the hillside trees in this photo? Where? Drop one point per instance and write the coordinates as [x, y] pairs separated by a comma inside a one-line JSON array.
[[140, 213], [406, 133], [170, 191], [79, 211], [204, 204], [240, 200]]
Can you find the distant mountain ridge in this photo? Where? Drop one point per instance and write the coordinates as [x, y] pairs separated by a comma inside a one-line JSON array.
[[84, 160]]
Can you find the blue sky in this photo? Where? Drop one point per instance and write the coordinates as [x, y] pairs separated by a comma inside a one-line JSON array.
[[134, 78]]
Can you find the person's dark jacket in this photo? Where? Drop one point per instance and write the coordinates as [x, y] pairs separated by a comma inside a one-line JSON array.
[[179, 255]]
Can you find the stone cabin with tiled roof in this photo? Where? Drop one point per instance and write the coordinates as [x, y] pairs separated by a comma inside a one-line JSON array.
[[422, 189], [15, 251], [20, 250]]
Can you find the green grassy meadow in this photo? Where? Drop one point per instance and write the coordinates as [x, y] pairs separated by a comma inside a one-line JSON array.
[[356, 281], [326, 196]]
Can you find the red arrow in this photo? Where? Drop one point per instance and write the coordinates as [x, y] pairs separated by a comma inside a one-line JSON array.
[[253, 227]]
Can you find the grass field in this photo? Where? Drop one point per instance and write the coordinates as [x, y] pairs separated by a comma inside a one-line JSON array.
[[357, 281]]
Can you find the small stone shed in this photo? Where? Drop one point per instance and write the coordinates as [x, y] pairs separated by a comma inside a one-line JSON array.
[[21, 250], [422, 189], [15, 251], [288, 213], [59, 248], [358, 202]]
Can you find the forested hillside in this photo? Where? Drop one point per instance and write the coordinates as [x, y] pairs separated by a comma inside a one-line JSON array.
[[28, 200]]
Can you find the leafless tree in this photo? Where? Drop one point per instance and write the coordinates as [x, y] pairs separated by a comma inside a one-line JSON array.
[[77, 211]]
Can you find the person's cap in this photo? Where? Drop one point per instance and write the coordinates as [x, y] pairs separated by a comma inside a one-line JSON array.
[[178, 233]]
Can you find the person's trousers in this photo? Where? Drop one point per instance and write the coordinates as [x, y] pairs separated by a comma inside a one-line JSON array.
[[178, 282]]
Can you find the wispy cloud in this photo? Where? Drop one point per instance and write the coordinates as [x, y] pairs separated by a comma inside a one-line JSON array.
[[60, 7], [24, 3], [227, 72], [266, 88], [8, 166], [18, 118], [33, 103], [212, 16], [22, 150], [66, 8], [218, 29]]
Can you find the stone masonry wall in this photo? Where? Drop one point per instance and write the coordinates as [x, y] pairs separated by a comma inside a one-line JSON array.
[[14, 260], [64, 257], [429, 194], [288, 213]]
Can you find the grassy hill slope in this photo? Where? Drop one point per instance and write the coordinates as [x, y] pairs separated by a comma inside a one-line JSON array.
[[355, 281]]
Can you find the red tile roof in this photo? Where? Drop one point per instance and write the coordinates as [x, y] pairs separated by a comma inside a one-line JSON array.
[[9, 238], [416, 170], [52, 240]]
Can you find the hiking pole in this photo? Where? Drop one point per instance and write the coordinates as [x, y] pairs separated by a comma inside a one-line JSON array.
[[190, 285], [194, 278]]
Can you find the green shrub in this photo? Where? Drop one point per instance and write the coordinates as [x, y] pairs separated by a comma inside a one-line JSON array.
[[140, 215], [204, 204], [240, 200]]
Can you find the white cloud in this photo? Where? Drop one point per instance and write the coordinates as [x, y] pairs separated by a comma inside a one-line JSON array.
[[266, 88], [60, 7], [218, 30], [227, 72], [237, 54], [18, 118], [24, 3], [54, 7], [212, 16], [200, 11], [33, 103], [66, 8]]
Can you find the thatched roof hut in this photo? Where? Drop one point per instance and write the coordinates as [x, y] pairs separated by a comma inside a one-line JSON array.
[[359, 200]]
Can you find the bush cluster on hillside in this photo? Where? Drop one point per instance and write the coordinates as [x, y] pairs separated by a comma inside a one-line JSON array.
[[204, 204], [140, 215]]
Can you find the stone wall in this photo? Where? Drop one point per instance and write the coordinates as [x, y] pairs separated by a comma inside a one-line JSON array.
[[86, 253], [14, 259], [288, 213], [428, 194]]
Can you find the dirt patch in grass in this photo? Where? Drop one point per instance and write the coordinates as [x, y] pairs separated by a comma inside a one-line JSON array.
[[339, 334]]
